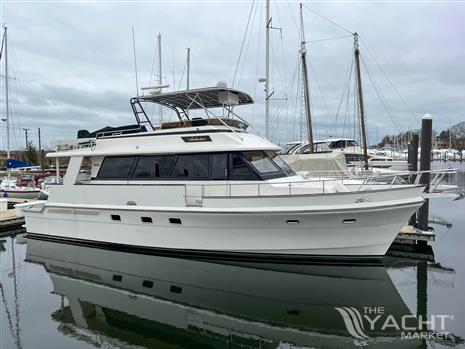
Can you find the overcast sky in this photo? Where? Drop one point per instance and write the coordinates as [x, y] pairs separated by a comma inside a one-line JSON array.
[[73, 67]]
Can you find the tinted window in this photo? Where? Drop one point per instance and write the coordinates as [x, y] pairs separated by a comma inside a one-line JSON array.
[[116, 167], [261, 162], [153, 167], [351, 143], [191, 166], [219, 166], [240, 169]]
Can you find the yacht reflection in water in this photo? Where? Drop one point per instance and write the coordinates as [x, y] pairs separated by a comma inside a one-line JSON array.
[[112, 297]]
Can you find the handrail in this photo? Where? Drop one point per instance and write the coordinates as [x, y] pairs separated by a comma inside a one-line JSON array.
[[260, 189]]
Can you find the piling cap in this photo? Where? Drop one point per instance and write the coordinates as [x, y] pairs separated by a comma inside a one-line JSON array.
[[427, 116]]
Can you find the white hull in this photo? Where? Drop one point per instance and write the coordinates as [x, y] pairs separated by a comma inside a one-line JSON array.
[[23, 194], [283, 232]]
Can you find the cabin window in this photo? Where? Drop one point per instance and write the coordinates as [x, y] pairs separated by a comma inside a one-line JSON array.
[[116, 167], [240, 170], [191, 166], [219, 166], [152, 167]]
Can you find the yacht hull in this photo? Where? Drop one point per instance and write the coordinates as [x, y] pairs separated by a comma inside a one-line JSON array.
[[23, 194], [358, 233]]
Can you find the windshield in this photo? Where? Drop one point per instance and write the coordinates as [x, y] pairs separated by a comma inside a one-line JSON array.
[[280, 163], [261, 162], [268, 163]]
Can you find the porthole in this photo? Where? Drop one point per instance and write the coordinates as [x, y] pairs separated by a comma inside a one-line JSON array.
[[116, 217], [146, 219], [175, 221], [147, 284]]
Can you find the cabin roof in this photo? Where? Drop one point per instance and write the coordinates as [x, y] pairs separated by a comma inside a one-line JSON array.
[[208, 97]]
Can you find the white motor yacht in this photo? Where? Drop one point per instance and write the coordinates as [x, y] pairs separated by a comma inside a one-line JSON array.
[[206, 187]]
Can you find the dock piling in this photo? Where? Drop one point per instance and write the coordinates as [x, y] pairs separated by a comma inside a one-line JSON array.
[[425, 165]]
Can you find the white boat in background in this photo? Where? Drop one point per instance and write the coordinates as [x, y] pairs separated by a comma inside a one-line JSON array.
[[8, 186], [207, 187], [348, 147], [10, 189]]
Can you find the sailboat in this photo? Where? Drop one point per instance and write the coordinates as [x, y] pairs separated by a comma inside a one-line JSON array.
[[8, 185], [315, 155]]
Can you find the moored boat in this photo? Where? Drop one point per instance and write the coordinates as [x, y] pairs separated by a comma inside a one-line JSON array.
[[207, 187]]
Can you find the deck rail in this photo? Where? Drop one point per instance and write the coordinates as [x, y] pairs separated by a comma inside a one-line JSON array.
[[195, 193]]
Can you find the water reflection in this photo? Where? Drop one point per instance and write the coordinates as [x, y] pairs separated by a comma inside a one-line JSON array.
[[115, 298]]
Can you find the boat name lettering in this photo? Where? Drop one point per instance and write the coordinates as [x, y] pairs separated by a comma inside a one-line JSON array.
[[193, 139]]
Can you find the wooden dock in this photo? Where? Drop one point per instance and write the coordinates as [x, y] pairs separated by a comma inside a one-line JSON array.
[[8, 219]]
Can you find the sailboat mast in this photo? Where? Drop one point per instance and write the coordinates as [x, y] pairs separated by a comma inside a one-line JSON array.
[[360, 102], [160, 80], [303, 56], [7, 99], [267, 70], [188, 64]]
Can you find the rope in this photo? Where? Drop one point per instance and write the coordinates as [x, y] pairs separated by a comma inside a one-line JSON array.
[[243, 42], [381, 97], [387, 78], [328, 20], [329, 39]]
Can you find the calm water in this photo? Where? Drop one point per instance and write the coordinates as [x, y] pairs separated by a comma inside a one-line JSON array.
[[61, 296]]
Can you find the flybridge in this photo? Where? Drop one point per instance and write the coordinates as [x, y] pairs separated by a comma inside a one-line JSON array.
[[183, 101]]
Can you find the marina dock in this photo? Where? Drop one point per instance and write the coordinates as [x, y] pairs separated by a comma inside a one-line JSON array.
[[8, 219]]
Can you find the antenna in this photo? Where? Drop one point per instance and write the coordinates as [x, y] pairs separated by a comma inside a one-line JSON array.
[[135, 61]]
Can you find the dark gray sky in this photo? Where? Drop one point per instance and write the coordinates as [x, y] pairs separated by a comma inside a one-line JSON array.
[[73, 61]]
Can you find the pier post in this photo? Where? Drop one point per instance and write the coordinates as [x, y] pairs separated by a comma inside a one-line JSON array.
[[425, 165], [413, 154], [413, 166]]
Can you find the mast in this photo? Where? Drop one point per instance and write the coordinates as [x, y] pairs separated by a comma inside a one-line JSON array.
[[267, 71], [188, 64], [7, 99], [303, 56], [360, 102], [160, 80]]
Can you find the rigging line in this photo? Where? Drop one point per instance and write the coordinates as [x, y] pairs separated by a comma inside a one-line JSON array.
[[182, 74], [286, 91], [387, 77], [382, 99], [292, 15], [327, 19], [247, 45], [329, 39], [3, 42], [153, 65], [243, 42], [381, 96], [346, 86], [318, 86]]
